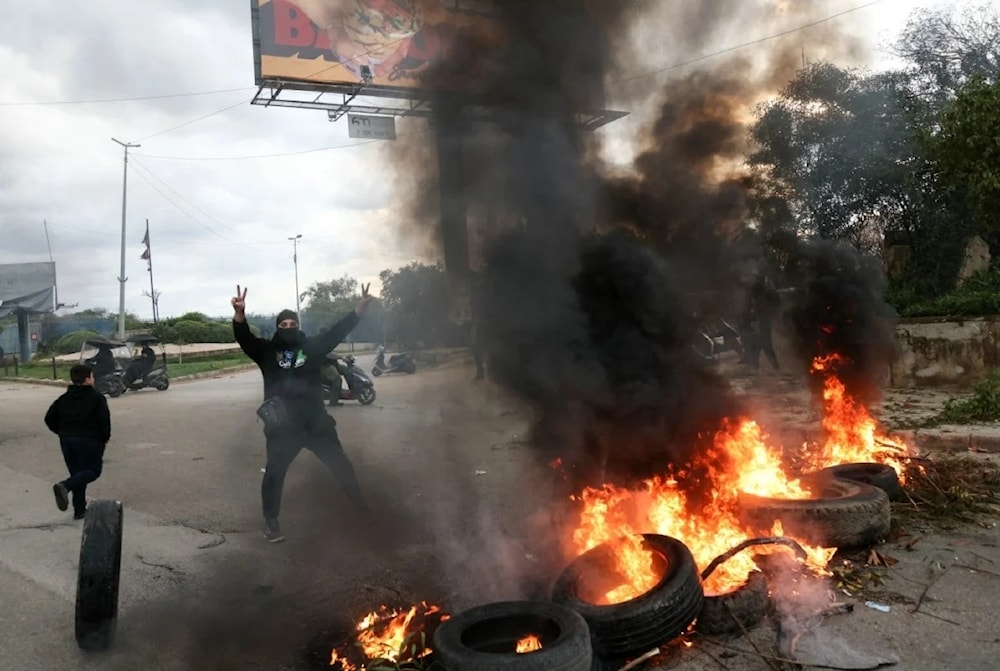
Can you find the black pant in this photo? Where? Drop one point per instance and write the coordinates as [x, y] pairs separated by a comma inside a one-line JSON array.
[[84, 458], [759, 340], [319, 435]]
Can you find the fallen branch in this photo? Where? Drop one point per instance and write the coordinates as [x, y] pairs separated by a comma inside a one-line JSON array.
[[977, 570], [938, 617], [927, 587], [733, 648], [639, 660], [770, 540]]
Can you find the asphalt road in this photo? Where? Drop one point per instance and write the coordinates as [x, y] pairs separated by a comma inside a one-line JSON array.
[[201, 588], [459, 520]]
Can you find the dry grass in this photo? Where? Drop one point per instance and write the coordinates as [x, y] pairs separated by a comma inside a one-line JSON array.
[[950, 491]]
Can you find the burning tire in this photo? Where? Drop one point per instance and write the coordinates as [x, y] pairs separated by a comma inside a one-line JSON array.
[[882, 476], [649, 620], [98, 575], [734, 611], [846, 515], [486, 638]]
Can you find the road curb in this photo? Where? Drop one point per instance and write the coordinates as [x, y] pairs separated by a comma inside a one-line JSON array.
[[183, 378]]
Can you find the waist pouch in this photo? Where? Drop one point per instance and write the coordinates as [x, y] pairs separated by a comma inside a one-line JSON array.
[[274, 413]]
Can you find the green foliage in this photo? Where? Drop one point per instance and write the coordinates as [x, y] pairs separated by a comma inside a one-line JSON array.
[[982, 406], [967, 148], [73, 342], [418, 301], [979, 295]]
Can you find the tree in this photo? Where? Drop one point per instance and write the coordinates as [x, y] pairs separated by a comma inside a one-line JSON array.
[[835, 157], [946, 50], [967, 149], [327, 302], [417, 299]]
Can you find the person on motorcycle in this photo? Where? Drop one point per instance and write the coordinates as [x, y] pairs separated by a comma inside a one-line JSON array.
[[331, 371], [290, 364], [138, 369]]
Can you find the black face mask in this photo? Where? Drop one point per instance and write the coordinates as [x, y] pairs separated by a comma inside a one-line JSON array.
[[288, 337]]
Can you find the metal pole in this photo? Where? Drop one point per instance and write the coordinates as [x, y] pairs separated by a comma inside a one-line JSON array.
[[149, 267], [122, 278], [295, 260]]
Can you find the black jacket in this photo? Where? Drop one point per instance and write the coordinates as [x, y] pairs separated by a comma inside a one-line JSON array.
[[294, 373], [82, 411]]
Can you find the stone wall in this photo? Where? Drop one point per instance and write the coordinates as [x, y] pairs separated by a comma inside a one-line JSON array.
[[935, 352]]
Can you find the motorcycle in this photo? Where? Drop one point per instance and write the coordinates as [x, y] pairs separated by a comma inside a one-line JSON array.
[[398, 363], [360, 388], [144, 371], [108, 359]]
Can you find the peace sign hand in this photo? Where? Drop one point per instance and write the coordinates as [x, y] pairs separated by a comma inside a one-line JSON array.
[[239, 302], [364, 300]]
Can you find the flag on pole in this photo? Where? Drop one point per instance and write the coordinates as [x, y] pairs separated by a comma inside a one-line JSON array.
[[145, 241]]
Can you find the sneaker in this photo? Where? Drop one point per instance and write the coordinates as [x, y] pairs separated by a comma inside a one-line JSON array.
[[62, 495], [272, 532]]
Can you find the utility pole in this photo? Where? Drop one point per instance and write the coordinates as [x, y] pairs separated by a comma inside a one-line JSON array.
[[153, 296], [122, 278], [295, 260]]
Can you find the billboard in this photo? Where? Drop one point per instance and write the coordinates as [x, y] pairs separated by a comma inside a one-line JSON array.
[[342, 41], [400, 47]]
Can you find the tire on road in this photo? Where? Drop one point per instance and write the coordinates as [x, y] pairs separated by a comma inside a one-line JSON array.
[[376, 371], [99, 575], [649, 620], [484, 638], [882, 476], [845, 515], [732, 612]]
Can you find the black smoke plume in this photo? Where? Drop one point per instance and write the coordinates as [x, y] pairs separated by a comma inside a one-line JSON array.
[[839, 313], [594, 281]]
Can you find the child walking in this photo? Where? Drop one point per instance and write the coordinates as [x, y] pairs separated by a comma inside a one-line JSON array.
[[82, 421]]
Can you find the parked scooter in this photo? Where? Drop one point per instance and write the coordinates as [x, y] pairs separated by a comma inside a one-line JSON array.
[[398, 363], [360, 387]]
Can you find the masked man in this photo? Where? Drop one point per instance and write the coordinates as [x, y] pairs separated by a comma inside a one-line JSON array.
[[291, 366]]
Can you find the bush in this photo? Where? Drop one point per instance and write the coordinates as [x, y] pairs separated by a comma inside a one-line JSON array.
[[73, 342], [982, 406], [978, 296]]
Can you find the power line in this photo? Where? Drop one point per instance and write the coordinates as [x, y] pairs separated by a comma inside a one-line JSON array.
[[141, 172], [176, 193], [751, 43], [201, 118], [248, 157], [97, 101]]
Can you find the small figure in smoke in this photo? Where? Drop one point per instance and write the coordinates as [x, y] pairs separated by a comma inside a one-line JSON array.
[[763, 304], [291, 365]]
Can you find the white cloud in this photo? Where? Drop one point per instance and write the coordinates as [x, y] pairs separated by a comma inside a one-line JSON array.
[[215, 223]]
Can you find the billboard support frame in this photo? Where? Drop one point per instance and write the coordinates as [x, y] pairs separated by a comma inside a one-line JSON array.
[[339, 99]]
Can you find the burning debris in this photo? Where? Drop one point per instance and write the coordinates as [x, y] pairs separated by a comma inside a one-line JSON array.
[[389, 635]]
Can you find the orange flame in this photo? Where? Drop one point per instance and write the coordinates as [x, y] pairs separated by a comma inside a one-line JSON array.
[[741, 460], [383, 633], [529, 643], [852, 435]]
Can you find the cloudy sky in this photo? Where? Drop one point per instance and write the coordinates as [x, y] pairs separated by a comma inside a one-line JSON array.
[[223, 183]]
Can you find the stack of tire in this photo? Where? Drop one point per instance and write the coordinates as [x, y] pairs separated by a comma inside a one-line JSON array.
[[578, 635]]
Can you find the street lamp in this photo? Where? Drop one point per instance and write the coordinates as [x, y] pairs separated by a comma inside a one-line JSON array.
[[295, 260], [121, 279]]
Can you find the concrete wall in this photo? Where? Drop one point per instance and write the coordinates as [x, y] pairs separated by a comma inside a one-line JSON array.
[[939, 353]]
